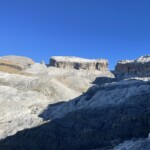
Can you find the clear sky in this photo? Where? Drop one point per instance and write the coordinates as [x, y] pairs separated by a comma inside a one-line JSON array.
[[112, 29]]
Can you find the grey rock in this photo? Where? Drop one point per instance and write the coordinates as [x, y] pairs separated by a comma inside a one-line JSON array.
[[138, 67], [67, 108], [23, 98], [79, 63]]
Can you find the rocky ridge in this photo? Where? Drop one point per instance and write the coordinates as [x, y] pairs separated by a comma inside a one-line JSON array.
[[70, 108], [79, 63], [138, 67]]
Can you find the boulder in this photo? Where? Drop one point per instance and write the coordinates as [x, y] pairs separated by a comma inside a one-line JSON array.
[[79, 63]]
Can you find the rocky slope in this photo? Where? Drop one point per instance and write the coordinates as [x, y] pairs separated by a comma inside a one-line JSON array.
[[24, 96], [102, 117], [141, 144], [69, 109]]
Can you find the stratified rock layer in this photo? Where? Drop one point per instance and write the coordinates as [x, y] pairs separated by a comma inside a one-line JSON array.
[[15, 62], [79, 63], [140, 66]]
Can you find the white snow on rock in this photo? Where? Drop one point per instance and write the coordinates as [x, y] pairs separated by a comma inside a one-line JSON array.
[[78, 63], [75, 59], [142, 59]]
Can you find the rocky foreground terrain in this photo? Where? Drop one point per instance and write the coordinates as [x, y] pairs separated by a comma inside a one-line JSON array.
[[74, 104]]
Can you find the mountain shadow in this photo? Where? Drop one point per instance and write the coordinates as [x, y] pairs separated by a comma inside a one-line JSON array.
[[103, 80], [86, 129]]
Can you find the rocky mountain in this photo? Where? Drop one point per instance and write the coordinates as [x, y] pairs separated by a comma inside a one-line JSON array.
[[65, 107]]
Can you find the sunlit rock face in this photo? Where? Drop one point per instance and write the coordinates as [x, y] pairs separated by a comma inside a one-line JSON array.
[[28, 88], [79, 63], [15, 62], [140, 66]]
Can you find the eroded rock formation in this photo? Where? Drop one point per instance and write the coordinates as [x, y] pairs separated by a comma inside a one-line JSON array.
[[23, 98], [79, 63], [140, 66], [15, 62], [75, 109]]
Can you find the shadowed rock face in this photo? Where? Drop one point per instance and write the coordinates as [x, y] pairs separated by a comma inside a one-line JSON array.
[[16, 62], [141, 144], [140, 66], [79, 63]]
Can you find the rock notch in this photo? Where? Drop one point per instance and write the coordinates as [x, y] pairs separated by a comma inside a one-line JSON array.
[[140, 66], [79, 63]]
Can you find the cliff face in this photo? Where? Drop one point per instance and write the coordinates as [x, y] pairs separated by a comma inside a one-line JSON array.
[[140, 66], [79, 63], [15, 62]]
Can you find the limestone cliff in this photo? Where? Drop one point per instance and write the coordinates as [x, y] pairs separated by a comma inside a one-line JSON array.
[[79, 63], [140, 66]]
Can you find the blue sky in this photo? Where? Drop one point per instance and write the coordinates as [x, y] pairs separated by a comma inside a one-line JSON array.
[[112, 29]]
